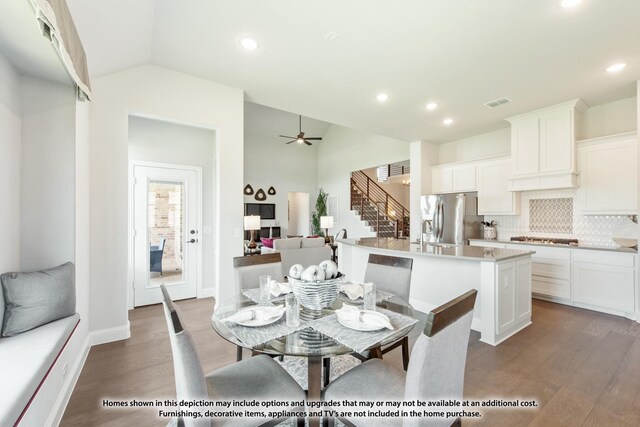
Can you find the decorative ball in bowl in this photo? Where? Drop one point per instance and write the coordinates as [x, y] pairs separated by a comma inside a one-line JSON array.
[[316, 286]]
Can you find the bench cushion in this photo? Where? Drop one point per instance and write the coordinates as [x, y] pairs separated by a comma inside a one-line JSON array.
[[26, 359], [36, 298]]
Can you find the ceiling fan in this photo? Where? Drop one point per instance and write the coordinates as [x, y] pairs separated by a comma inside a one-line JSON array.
[[301, 138]]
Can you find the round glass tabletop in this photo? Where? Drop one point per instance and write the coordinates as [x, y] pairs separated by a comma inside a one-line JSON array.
[[307, 341]]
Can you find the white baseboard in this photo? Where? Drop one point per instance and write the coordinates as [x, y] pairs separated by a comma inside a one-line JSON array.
[[67, 389], [206, 293], [104, 336]]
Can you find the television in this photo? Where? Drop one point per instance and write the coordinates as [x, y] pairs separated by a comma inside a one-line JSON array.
[[264, 210]]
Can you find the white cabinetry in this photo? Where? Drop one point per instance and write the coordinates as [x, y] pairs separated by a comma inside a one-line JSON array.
[[543, 147], [494, 197], [514, 294], [603, 280], [453, 178], [609, 175]]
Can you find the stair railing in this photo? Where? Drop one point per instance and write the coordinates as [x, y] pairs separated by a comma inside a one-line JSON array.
[[371, 192]]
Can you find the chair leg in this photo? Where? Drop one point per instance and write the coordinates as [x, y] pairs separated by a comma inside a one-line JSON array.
[[375, 353], [405, 353], [238, 353], [326, 363], [300, 422], [457, 423]]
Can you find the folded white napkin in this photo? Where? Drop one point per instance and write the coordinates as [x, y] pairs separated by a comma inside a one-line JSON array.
[[260, 313], [278, 288], [355, 290], [355, 314]]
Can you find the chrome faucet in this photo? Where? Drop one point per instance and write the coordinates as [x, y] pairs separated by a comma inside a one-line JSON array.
[[429, 223]]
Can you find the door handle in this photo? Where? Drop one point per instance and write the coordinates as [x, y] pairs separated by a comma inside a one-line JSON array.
[[192, 240]]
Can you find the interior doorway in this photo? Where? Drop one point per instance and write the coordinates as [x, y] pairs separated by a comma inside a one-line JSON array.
[[299, 214], [166, 205]]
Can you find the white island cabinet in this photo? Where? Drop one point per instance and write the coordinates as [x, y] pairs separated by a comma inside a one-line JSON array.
[[501, 276]]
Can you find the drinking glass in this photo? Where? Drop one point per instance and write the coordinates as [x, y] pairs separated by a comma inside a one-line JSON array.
[[292, 310], [265, 288], [369, 291]]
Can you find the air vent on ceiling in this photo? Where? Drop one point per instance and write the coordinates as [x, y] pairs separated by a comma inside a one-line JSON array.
[[497, 102]]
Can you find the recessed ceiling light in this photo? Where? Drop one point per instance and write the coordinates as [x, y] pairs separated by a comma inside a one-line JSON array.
[[616, 67], [448, 121], [431, 106], [570, 3], [382, 97], [248, 43]]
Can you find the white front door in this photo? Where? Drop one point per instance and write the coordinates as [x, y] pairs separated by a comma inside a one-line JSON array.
[[166, 230]]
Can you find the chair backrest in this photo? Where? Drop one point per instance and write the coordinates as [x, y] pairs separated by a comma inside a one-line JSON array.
[[188, 372], [163, 240], [438, 358], [338, 234], [248, 269], [390, 274]]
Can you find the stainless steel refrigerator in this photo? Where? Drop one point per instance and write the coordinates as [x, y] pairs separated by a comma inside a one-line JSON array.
[[450, 218]]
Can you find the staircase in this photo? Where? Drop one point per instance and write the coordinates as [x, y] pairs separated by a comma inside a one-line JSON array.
[[381, 211]]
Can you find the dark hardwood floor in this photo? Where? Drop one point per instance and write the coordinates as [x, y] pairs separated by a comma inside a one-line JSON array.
[[582, 367]]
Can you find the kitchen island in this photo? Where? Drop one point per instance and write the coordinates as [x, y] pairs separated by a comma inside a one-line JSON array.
[[443, 272]]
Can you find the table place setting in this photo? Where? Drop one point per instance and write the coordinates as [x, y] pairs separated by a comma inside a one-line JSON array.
[[361, 329], [276, 291], [355, 292], [257, 324]]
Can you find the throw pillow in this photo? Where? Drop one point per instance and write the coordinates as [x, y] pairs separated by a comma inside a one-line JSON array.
[[268, 241], [36, 298]]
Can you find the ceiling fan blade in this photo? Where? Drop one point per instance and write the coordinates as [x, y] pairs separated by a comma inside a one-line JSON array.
[[314, 138], [285, 136], [307, 142], [295, 140]]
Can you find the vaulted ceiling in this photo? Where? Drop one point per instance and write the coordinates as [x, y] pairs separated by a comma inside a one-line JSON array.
[[458, 53]]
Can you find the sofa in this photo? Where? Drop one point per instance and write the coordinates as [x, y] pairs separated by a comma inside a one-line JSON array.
[[33, 338], [306, 251]]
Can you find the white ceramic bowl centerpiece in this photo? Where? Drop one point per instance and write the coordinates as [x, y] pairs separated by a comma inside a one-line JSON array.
[[316, 286]]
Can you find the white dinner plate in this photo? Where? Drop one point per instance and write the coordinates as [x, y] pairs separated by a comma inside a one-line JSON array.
[[361, 326], [258, 322]]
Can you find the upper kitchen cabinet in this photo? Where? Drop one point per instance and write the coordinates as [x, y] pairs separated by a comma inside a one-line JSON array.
[[543, 147], [453, 178], [494, 196], [608, 169]]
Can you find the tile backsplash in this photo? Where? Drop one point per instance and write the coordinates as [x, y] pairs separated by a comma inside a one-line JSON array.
[[551, 215], [554, 213]]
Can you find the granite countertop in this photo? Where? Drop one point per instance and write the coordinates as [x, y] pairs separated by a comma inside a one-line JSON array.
[[462, 252], [580, 246]]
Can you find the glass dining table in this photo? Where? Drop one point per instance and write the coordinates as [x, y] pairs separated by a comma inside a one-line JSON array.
[[308, 342]]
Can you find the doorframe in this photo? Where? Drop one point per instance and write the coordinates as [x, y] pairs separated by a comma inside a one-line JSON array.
[[200, 292]]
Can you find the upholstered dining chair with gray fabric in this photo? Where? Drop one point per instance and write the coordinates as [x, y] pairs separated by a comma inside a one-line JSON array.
[[247, 271], [391, 274], [258, 378], [436, 369]]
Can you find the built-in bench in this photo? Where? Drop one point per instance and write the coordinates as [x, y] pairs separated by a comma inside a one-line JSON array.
[[25, 362]]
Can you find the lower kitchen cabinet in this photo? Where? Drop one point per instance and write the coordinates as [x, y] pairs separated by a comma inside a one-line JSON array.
[[514, 294], [605, 280]]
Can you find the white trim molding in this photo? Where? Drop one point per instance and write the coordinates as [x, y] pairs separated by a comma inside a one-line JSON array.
[[108, 335]]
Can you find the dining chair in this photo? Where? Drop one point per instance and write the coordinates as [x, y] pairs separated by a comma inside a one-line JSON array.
[[259, 378], [436, 370], [390, 274], [247, 271]]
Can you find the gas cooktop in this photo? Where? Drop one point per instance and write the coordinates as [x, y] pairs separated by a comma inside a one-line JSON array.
[[545, 240]]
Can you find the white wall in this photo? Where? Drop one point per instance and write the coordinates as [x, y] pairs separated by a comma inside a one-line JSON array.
[[344, 150], [153, 91], [163, 142], [10, 152], [488, 144], [48, 174], [299, 214], [600, 120], [610, 118], [288, 168]]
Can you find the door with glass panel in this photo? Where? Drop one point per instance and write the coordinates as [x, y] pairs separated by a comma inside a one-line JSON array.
[[166, 235]]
